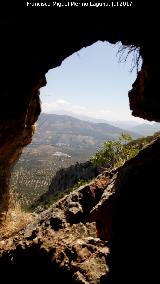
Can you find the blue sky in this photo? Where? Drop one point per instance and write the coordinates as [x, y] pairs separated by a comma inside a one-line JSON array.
[[91, 82]]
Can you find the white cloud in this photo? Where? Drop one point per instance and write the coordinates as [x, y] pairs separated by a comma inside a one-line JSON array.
[[106, 114], [60, 104]]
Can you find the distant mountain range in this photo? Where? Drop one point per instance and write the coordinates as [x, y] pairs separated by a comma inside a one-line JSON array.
[[146, 129], [120, 124], [143, 129], [63, 130]]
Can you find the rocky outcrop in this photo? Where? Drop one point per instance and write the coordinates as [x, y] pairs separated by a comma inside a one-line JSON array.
[[66, 178], [135, 235], [34, 42], [143, 97], [16, 131], [104, 232], [62, 242]]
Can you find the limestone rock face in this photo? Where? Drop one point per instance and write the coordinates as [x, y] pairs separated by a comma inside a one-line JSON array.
[[135, 232], [68, 242], [16, 131], [66, 178], [33, 43], [62, 241], [104, 232]]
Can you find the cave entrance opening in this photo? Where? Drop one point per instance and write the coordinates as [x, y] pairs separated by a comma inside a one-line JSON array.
[[84, 103]]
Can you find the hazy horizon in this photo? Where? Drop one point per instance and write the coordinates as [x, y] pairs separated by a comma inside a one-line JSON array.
[[118, 123]]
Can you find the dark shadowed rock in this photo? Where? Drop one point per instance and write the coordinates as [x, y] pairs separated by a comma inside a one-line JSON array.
[[110, 240], [63, 239], [127, 213]]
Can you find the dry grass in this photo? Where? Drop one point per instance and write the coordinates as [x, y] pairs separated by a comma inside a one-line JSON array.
[[15, 219]]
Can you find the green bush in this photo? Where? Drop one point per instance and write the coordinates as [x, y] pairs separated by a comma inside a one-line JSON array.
[[115, 152]]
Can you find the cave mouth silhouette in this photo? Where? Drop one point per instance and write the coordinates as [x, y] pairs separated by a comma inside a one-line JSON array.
[[93, 69], [34, 80]]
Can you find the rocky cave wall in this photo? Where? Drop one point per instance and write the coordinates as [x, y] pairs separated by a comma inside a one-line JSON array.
[[34, 42]]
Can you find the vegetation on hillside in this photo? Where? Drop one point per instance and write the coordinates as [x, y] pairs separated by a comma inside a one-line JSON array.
[[59, 142], [115, 153]]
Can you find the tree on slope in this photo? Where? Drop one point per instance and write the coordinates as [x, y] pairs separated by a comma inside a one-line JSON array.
[[115, 152]]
